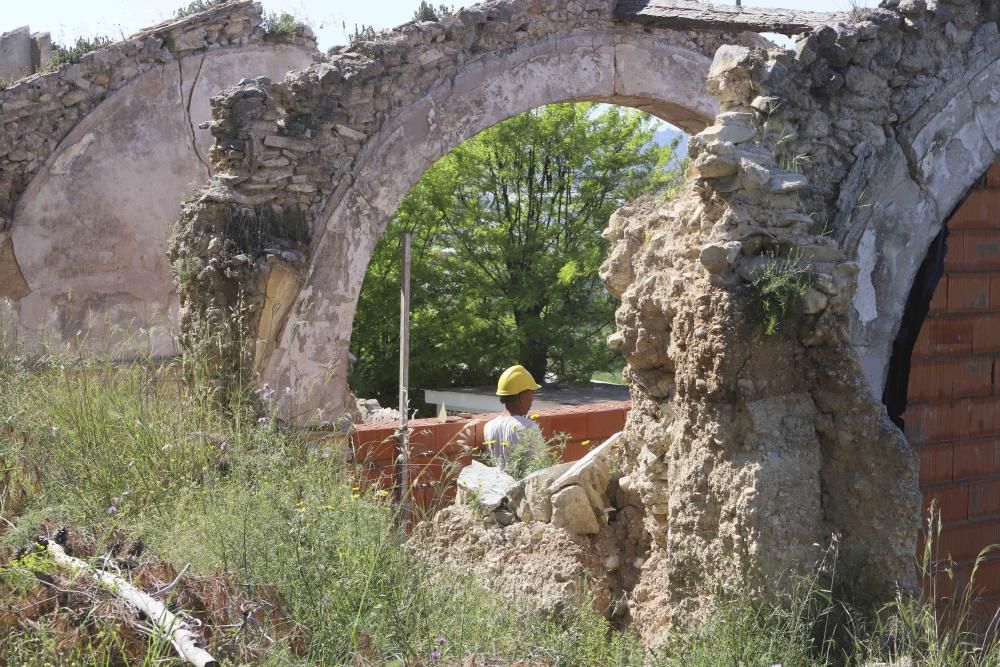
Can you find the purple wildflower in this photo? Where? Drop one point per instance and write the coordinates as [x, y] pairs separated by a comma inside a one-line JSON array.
[[435, 655], [441, 641], [112, 509]]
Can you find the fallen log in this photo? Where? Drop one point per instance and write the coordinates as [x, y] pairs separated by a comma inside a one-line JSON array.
[[184, 641]]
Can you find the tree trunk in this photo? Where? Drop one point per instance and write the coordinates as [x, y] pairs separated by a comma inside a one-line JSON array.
[[533, 350]]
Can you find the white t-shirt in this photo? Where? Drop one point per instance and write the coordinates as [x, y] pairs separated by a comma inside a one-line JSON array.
[[511, 430]]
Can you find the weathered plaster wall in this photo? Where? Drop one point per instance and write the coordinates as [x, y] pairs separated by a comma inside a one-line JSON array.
[[103, 167]]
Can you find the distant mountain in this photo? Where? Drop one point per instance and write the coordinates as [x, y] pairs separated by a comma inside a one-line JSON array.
[[666, 136]]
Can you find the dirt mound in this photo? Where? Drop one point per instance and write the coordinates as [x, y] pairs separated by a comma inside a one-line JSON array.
[[538, 564]]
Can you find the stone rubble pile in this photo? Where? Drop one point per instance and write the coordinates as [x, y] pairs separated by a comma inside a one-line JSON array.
[[572, 496], [547, 540]]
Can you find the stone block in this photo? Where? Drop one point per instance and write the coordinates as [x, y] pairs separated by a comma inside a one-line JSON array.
[[717, 257], [531, 497], [572, 511], [483, 486], [15, 54]]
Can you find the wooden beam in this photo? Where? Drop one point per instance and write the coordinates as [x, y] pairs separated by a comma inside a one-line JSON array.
[[692, 15]]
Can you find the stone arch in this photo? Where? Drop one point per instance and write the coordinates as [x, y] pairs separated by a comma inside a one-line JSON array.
[[648, 72], [909, 189]]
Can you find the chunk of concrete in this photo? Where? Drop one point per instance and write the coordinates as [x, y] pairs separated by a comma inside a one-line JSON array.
[[483, 486]]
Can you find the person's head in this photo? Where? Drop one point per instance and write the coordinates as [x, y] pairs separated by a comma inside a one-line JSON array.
[[516, 389]]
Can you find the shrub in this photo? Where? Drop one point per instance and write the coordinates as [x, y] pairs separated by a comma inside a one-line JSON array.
[[62, 55], [197, 7], [280, 27]]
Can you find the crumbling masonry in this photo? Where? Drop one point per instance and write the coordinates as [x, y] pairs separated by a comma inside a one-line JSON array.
[[745, 451]]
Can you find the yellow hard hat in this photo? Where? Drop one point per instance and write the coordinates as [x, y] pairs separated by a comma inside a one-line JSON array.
[[515, 380]]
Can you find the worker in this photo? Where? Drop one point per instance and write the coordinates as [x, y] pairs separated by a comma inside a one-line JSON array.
[[516, 390]]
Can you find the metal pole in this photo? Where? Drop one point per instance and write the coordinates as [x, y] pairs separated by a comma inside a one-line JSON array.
[[404, 380]]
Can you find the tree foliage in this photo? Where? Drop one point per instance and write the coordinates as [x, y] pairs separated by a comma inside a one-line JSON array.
[[506, 247]]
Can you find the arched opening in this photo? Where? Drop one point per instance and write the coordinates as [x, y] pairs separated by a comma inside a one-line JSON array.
[[943, 373], [507, 245], [649, 72]]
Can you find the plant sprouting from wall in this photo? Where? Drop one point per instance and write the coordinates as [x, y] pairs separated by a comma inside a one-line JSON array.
[[428, 12], [779, 289], [62, 55], [197, 7], [280, 27]]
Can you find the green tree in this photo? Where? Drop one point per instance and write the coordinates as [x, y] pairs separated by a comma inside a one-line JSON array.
[[506, 250]]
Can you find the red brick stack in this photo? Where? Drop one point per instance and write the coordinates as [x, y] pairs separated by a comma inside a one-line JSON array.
[[438, 450]]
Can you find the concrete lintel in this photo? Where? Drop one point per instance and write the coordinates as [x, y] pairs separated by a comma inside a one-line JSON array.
[[691, 15]]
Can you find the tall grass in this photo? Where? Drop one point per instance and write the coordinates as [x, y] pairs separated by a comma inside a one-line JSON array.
[[130, 450]]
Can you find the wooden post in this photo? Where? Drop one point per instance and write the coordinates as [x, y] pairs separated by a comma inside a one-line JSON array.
[[404, 381]]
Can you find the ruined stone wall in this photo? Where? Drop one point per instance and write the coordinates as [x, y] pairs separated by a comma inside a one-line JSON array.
[[752, 450], [93, 160], [342, 142], [38, 111], [758, 309]]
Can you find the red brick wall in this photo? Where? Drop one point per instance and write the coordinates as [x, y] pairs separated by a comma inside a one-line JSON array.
[[953, 399], [439, 450]]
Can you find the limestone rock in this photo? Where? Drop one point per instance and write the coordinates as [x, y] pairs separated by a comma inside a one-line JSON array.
[[15, 54], [482, 485], [728, 80], [572, 510], [713, 166], [813, 301], [530, 498], [718, 257], [735, 134], [786, 182]]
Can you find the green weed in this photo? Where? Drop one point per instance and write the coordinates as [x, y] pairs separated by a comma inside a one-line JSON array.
[[197, 7], [279, 27], [778, 289]]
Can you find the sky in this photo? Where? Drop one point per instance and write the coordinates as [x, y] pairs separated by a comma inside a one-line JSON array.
[[332, 20]]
